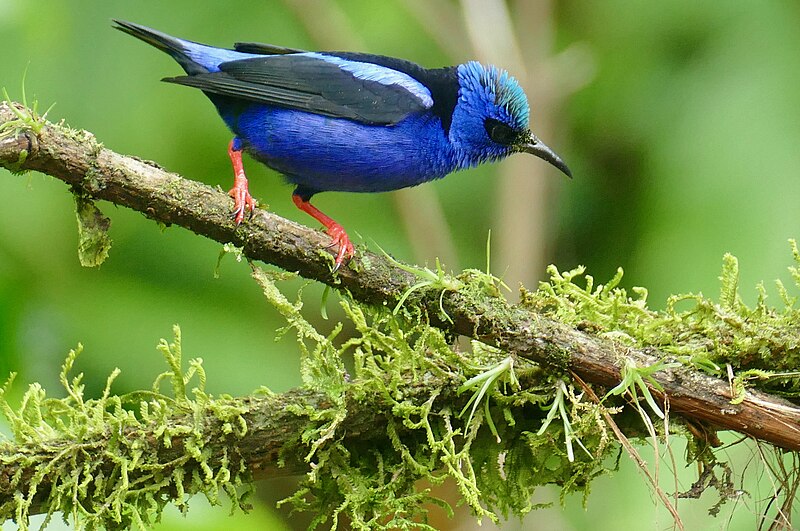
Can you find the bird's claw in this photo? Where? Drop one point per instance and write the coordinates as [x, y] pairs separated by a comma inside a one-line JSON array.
[[335, 231], [242, 202], [346, 250]]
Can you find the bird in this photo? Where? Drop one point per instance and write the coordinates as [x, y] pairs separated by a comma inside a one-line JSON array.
[[351, 121]]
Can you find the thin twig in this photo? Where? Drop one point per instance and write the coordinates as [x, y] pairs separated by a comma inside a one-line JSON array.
[[637, 458]]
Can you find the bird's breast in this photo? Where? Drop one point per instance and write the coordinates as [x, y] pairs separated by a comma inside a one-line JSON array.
[[322, 153]]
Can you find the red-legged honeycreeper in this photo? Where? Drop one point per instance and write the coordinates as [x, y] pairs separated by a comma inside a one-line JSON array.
[[351, 122]]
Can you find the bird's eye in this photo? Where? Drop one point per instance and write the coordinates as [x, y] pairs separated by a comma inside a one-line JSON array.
[[499, 132]]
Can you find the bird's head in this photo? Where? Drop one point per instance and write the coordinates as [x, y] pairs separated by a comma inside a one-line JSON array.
[[491, 118]]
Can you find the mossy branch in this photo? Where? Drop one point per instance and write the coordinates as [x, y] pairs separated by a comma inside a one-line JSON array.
[[397, 416], [122, 452], [78, 159]]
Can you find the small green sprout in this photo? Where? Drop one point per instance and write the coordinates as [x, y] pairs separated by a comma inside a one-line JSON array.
[[323, 305], [558, 407], [484, 282], [228, 248], [28, 117], [438, 279], [739, 382], [487, 381], [702, 362], [634, 377]]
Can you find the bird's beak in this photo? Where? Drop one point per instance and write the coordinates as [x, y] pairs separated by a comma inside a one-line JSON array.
[[534, 146]]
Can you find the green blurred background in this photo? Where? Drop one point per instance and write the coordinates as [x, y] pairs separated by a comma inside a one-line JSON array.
[[679, 119]]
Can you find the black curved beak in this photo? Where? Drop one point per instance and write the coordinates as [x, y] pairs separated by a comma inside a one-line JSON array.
[[536, 147]]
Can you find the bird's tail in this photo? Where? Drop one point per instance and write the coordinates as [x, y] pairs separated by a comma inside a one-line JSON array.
[[178, 49]]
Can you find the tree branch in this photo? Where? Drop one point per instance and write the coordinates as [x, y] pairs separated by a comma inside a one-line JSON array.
[[270, 446], [76, 158]]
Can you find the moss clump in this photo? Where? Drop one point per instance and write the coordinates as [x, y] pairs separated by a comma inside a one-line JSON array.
[[100, 462], [761, 344], [94, 242], [27, 117], [495, 456]]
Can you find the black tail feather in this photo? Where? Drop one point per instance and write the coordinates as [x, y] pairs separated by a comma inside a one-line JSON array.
[[163, 42]]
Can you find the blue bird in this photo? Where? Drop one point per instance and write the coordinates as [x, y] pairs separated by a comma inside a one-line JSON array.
[[351, 122]]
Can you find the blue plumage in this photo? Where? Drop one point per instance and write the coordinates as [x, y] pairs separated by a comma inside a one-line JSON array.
[[379, 158], [352, 122]]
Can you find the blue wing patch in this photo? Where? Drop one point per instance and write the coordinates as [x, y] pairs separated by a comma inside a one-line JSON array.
[[381, 74]]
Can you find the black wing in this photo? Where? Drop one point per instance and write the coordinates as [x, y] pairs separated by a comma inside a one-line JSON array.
[[442, 82], [311, 83]]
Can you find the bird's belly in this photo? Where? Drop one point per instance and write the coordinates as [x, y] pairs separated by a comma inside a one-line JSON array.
[[321, 153]]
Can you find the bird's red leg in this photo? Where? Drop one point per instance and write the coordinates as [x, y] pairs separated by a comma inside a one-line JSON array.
[[335, 231], [242, 200]]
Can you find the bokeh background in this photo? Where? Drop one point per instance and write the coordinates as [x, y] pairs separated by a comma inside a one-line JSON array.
[[679, 119]]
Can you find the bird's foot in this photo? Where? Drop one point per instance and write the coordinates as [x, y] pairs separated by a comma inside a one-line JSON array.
[[242, 200], [340, 238], [337, 233]]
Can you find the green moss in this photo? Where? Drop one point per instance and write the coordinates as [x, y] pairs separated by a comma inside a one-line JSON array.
[[68, 444], [695, 329], [17, 167], [93, 239], [494, 426], [380, 484], [28, 117], [228, 249]]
